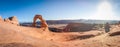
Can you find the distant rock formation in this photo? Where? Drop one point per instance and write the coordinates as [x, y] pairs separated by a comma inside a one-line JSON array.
[[44, 25], [78, 27], [12, 20]]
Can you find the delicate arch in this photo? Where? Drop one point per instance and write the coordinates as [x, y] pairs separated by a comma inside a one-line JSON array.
[[43, 22]]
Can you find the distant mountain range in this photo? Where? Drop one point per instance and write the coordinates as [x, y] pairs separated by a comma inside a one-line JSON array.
[[74, 21]]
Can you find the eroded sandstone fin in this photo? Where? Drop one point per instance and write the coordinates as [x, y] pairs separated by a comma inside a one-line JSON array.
[[12, 20], [44, 25]]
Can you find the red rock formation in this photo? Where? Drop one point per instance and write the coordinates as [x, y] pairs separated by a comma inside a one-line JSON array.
[[7, 20], [78, 27], [43, 22], [12, 20]]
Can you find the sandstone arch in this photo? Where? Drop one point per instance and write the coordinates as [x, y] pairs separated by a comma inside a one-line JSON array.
[[44, 25]]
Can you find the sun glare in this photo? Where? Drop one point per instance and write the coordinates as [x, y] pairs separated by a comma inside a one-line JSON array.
[[104, 12]]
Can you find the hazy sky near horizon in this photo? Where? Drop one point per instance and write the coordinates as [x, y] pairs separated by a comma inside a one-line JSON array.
[[53, 9]]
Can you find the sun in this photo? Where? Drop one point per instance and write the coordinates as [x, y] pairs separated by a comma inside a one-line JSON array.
[[104, 12]]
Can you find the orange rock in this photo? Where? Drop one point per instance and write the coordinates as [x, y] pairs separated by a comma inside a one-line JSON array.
[[6, 20], [44, 25], [12, 20]]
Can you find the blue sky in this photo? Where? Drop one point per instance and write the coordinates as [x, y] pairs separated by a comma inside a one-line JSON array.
[[52, 9]]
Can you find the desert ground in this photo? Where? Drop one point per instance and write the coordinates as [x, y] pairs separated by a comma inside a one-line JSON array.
[[14, 35]]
